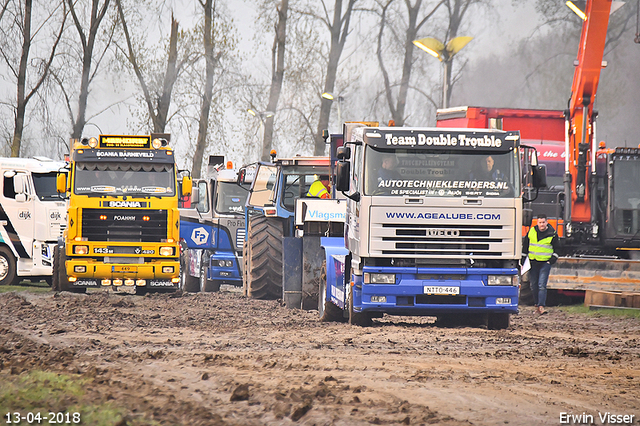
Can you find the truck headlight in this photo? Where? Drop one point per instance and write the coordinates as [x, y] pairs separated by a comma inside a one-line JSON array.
[[503, 280], [81, 249], [375, 278], [167, 269], [166, 251]]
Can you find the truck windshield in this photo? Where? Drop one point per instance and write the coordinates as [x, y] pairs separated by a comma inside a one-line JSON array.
[[156, 180], [45, 184], [230, 197], [418, 172]]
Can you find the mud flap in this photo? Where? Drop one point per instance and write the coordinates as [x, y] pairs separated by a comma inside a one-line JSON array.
[[312, 258], [292, 272]]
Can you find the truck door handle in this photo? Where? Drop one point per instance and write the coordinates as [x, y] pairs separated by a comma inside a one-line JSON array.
[[413, 201], [472, 201]]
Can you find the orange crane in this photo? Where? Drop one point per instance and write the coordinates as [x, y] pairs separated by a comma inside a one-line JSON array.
[[580, 145]]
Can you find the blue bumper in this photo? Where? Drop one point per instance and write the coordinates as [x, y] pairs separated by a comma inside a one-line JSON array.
[[230, 273], [413, 293]]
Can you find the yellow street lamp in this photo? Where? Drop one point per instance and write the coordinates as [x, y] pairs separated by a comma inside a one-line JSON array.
[[445, 55], [340, 99]]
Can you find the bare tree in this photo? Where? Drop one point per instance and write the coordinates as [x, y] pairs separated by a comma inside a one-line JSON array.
[[87, 42], [415, 20], [338, 26], [157, 103], [22, 20], [277, 75], [211, 58]]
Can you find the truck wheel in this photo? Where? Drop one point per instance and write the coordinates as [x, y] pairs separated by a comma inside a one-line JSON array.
[[207, 285], [326, 309], [362, 319], [60, 270], [141, 291], [7, 267], [265, 263], [526, 296], [55, 286], [498, 321], [188, 283], [245, 269]]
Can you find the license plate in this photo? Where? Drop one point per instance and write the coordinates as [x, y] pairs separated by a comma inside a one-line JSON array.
[[124, 268], [436, 289]]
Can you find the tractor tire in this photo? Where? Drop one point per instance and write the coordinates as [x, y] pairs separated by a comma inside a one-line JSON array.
[[187, 282], [526, 296], [326, 309], [207, 285], [245, 269], [498, 321], [265, 263], [8, 267], [361, 319]]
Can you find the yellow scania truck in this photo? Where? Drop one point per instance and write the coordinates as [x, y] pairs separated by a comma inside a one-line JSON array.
[[123, 224]]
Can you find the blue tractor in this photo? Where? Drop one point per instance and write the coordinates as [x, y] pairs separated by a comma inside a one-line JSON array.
[[272, 247]]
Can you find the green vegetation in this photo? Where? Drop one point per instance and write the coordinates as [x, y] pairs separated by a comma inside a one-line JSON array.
[[45, 392], [600, 312], [38, 287]]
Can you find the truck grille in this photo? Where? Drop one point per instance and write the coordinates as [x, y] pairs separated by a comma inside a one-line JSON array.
[[127, 225], [439, 240], [240, 234], [443, 233], [56, 230]]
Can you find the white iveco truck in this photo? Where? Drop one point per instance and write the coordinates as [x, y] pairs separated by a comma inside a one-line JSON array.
[[32, 217], [431, 228]]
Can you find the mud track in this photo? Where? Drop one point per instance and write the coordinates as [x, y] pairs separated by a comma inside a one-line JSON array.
[[208, 359]]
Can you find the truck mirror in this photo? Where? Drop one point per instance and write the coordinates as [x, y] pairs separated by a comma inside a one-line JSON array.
[[539, 176], [527, 217], [343, 153], [343, 172], [186, 186], [61, 183]]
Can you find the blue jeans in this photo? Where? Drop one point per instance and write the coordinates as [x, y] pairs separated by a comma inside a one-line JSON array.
[[538, 277]]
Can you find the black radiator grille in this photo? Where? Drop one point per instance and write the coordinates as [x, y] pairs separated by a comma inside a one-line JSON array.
[[126, 225]]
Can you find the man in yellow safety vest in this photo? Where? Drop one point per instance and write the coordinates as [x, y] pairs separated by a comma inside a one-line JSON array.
[[541, 244], [320, 188]]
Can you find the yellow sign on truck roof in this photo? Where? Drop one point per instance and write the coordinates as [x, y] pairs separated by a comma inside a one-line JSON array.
[[114, 141]]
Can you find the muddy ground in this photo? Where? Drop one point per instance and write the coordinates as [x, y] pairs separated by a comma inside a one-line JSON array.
[[209, 359]]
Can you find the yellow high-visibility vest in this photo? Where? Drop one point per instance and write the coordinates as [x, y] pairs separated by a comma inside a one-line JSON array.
[[318, 190], [540, 250]]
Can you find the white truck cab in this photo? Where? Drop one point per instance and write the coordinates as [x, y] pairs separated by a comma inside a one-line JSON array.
[[32, 217]]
